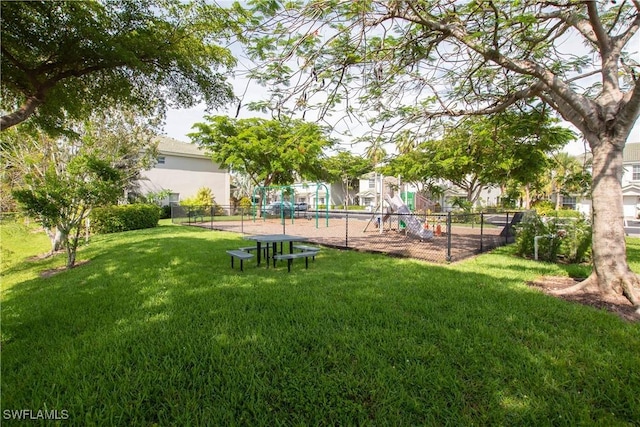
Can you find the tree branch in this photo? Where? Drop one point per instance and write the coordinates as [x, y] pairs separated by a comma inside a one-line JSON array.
[[602, 38], [26, 110]]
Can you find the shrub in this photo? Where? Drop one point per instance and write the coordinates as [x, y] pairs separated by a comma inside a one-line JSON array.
[[245, 203], [566, 213], [203, 203], [571, 238], [543, 207], [576, 246], [546, 208], [113, 219], [462, 204], [531, 226], [165, 212]]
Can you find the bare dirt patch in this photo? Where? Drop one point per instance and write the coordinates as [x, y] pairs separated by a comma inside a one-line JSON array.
[[45, 255], [618, 305], [53, 271]]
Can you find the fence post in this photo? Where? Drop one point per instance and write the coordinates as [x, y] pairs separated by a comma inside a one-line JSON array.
[[449, 236], [481, 231], [506, 228], [346, 229]]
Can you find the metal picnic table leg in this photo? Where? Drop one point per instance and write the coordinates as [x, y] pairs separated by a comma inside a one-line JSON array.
[[259, 253], [275, 251], [267, 247]]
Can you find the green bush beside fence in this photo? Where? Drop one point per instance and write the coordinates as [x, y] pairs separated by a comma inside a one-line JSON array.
[[114, 219], [566, 238]]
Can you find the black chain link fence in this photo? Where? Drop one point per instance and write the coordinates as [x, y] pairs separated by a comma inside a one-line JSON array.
[[441, 237]]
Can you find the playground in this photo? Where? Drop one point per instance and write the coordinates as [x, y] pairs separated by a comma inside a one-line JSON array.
[[459, 236], [391, 228]]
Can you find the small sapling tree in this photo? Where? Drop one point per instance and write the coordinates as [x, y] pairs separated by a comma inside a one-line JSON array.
[[64, 200]]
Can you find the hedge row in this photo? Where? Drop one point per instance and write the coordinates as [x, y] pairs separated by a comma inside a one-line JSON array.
[[113, 219]]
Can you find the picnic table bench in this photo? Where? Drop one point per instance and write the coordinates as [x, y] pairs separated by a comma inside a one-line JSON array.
[[253, 248], [290, 257], [240, 254], [305, 248]]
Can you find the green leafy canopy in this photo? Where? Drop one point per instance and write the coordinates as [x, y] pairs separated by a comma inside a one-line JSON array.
[[63, 59], [271, 152]]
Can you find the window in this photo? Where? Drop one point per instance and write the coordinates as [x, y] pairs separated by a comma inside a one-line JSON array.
[[568, 202], [161, 160], [635, 176], [372, 183]]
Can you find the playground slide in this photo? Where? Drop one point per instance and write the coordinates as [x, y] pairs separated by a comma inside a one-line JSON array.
[[414, 225]]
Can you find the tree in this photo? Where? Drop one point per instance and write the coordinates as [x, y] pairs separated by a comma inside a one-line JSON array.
[[123, 137], [413, 62], [122, 140], [241, 186], [508, 147], [64, 200], [567, 176], [347, 168], [271, 152], [416, 167], [61, 60]]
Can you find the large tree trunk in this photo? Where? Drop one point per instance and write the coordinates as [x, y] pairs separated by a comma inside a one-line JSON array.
[[610, 269]]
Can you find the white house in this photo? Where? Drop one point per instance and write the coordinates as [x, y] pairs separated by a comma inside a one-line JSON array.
[[370, 193], [315, 193], [183, 169], [371, 189], [312, 193], [630, 186]]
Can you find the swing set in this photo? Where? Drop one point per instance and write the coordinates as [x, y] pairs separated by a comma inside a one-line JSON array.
[[289, 191]]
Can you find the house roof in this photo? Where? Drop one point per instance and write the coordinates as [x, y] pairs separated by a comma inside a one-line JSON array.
[[167, 145], [367, 193], [631, 190], [631, 152]]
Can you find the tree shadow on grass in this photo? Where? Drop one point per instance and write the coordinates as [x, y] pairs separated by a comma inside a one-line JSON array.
[[553, 277], [162, 330]]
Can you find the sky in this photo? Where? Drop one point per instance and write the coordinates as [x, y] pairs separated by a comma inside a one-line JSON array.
[[179, 123]]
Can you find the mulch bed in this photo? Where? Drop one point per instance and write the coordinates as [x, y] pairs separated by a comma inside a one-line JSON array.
[[618, 305]]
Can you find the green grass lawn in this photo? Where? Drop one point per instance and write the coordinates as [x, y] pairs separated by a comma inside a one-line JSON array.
[[158, 329]]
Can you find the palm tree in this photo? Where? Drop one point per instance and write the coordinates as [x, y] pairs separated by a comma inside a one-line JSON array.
[[563, 168], [375, 151], [242, 186], [405, 143]]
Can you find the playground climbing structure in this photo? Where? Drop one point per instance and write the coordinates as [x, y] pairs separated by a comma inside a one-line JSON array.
[[413, 224]]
